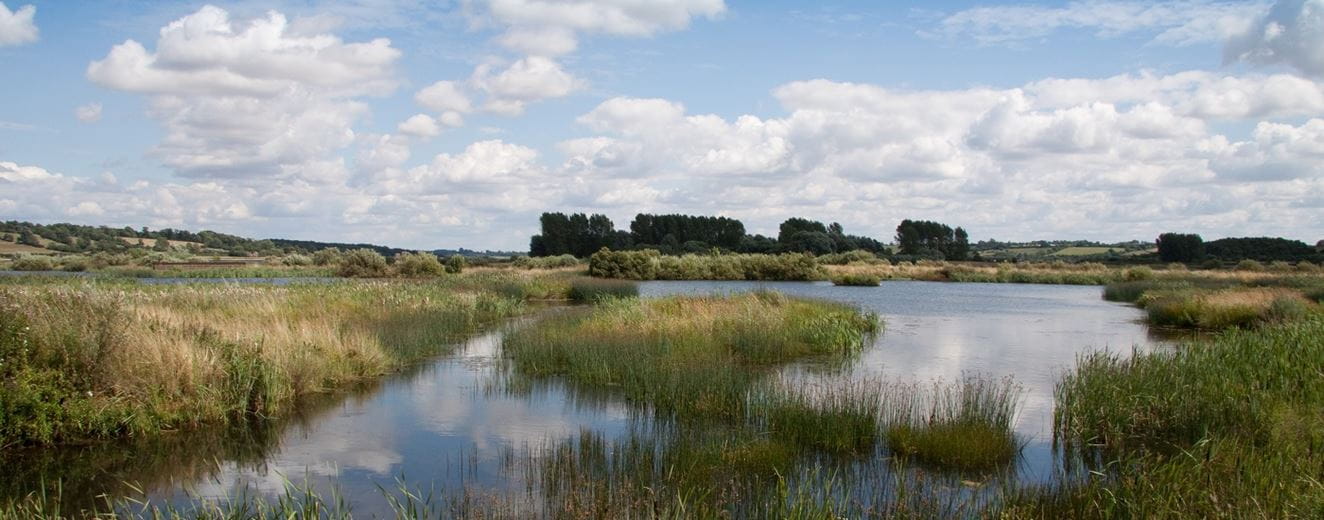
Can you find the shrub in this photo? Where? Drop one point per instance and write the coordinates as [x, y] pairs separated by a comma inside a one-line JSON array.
[[362, 263], [74, 264], [1176, 266], [1279, 266], [296, 260], [418, 265], [456, 264], [328, 256], [1249, 265], [1136, 274], [651, 265], [32, 263], [545, 262]]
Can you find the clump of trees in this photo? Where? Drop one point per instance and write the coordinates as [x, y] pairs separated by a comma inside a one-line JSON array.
[[1179, 247], [576, 234], [1187, 248], [927, 239], [684, 231]]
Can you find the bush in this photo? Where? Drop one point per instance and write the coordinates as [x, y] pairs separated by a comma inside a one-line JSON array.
[[33, 263], [74, 264], [1176, 266], [545, 262], [296, 260], [849, 257], [1136, 274], [418, 265], [362, 263], [1249, 265], [328, 256], [456, 264]]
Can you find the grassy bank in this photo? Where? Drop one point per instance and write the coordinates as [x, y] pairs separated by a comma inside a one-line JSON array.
[[85, 359], [1221, 302]]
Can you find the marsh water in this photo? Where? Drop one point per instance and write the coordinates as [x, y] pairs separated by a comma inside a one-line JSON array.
[[449, 425]]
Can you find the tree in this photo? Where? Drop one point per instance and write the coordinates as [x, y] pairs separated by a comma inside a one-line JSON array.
[[794, 225], [456, 264], [809, 242], [1178, 247], [161, 245], [927, 238], [26, 237]]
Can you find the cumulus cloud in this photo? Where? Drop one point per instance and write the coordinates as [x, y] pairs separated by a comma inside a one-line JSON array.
[[89, 113], [541, 31], [1180, 23], [420, 125], [1135, 151], [531, 79], [18, 27], [1291, 33], [250, 98]]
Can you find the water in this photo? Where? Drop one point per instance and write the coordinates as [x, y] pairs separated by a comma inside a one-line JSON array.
[[447, 425]]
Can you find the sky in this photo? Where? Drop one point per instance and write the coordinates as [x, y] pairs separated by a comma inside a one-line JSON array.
[[434, 124]]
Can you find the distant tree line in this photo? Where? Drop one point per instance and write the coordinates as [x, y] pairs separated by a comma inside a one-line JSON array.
[[1181, 247], [581, 235]]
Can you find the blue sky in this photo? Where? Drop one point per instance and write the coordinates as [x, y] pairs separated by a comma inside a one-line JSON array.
[[446, 124]]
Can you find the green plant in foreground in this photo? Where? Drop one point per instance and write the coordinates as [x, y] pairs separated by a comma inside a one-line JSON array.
[[967, 426]]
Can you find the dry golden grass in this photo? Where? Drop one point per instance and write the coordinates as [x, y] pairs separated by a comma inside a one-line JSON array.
[[139, 358]]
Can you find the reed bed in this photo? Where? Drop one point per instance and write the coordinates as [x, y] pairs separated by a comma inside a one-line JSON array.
[[1223, 302], [857, 280], [686, 356], [84, 359], [590, 290], [1227, 427], [651, 265], [966, 426]]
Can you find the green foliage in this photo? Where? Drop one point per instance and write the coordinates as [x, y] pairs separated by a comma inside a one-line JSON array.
[[1249, 265], [327, 256], [922, 238], [652, 265], [1263, 249], [577, 234], [545, 262], [456, 264], [1177, 247], [415, 265], [1136, 274], [722, 232], [968, 426], [855, 256], [33, 263], [362, 263], [296, 260]]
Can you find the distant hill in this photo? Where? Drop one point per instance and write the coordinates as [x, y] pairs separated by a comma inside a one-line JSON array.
[[27, 237]]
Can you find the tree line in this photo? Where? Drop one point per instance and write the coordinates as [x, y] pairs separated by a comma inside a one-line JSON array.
[[1187, 247], [581, 235]]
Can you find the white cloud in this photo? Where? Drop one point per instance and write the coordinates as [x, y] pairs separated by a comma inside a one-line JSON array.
[[18, 27], [1180, 23], [89, 113], [1291, 33], [531, 79], [444, 96], [420, 125], [244, 99], [615, 17]]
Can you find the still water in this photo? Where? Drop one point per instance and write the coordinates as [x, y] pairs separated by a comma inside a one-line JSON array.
[[448, 424]]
